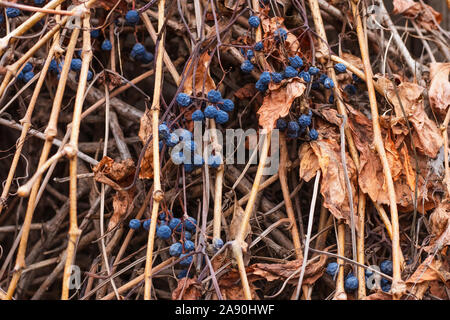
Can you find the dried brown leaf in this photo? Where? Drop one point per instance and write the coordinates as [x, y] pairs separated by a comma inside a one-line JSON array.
[[440, 225], [202, 76], [429, 270], [354, 60], [190, 289], [379, 295], [439, 92], [422, 14], [309, 163], [408, 169], [145, 131]]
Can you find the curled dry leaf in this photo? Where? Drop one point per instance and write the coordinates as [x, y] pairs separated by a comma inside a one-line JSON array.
[[145, 131], [379, 295], [439, 92], [231, 287], [269, 26], [202, 76], [277, 103], [421, 13], [440, 226], [187, 289], [354, 60], [431, 269]]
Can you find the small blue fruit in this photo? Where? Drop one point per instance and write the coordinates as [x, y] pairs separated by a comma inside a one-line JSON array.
[[90, 75], [217, 243], [331, 99], [259, 46], [305, 76], [53, 66], [188, 167], [198, 115], [304, 120], [106, 45], [351, 89], [27, 76], [189, 246], [221, 117], [254, 21], [146, 224], [322, 78], [277, 77], [368, 273], [214, 96], [340, 67], [328, 83], [172, 140], [75, 64], [95, 33], [293, 126], [281, 124], [134, 224], [163, 130], [351, 283], [183, 99], [247, 66], [184, 135], [296, 62], [332, 268], [177, 157], [313, 71], [313, 134], [12, 12], [214, 161], [190, 223], [386, 267], [176, 249], [186, 261], [147, 57], [210, 112], [38, 2], [137, 51], [280, 34], [355, 78], [28, 67], [132, 17], [261, 86], [198, 160], [226, 105], [162, 216], [290, 72], [187, 235], [163, 232], [265, 77], [183, 274], [250, 54], [174, 223]]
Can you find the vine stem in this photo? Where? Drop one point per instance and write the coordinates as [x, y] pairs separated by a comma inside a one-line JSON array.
[[217, 218], [397, 287], [340, 290], [239, 243], [157, 193]]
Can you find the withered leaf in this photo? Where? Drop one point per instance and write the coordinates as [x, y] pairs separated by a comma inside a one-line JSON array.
[[379, 295], [187, 289], [429, 270], [277, 103], [408, 169], [393, 158], [145, 131], [439, 92], [309, 163], [423, 14], [440, 225], [354, 60], [202, 75]]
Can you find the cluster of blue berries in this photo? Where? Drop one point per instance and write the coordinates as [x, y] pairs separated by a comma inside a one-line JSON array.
[[132, 17], [26, 74], [75, 65], [138, 52], [296, 128], [13, 12], [350, 282]]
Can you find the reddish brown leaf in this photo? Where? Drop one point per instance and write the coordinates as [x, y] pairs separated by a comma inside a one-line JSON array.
[[248, 91], [379, 295], [393, 158], [309, 163], [429, 270], [423, 14], [187, 289], [145, 131], [202, 76], [440, 225], [439, 92], [408, 169]]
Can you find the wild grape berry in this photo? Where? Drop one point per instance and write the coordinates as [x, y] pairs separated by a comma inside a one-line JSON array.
[[250, 54], [162, 216], [1, 19], [214, 161], [164, 232], [331, 99], [277, 77], [198, 160], [304, 120], [254, 21], [28, 67], [183, 274], [221, 117], [313, 134], [313, 71], [368, 273], [163, 130], [281, 124], [147, 57], [280, 34], [184, 135], [137, 51], [172, 140], [356, 78], [226, 105], [12, 12], [322, 78], [75, 64], [292, 134], [210, 112], [328, 83], [188, 167], [95, 33], [214, 96], [290, 72], [217, 243], [146, 224], [351, 283], [340, 67], [176, 249], [261, 86], [90, 75], [351, 89], [305, 76], [198, 115], [332, 268], [386, 267], [39, 2], [296, 62], [293, 126], [186, 261], [132, 17], [247, 66], [190, 224], [27, 76], [53, 66], [183, 99], [177, 157], [259, 46], [187, 235], [315, 85], [174, 222], [386, 288], [134, 224], [106, 45], [189, 246], [265, 77]]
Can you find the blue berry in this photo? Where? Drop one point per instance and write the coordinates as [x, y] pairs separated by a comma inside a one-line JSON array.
[[184, 135], [280, 34], [12, 12], [162, 216], [176, 249], [90, 75], [281, 124], [386, 288], [214, 161], [386, 267], [20, 76], [247, 66], [328, 83], [221, 117], [175, 223], [186, 261], [313, 71], [164, 130], [27, 76], [188, 167], [217, 243], [189, 246], [259, 46], [147, 57], [28, 67], [356, 78], [132, 17], [214, 96], [368, 273], [293, 126], [290, 72], [351, 89], [183, 99], [198, 160], [305, 76], [261, 86], [210, 112], [250, 54], [265, 77], [340, 67], [95, 33], [38, 2], [53, 66], [187, 235], [1, 18], [177, 158], [146, 224], [226, 105], [198, 115], [332, 268], [351, 283], [296, 62], [134, 224], [304, 120], [137, 51], [322, 78], [315, 85], [183, 274], [190, 223], [293, 134], [384, 282], [277, 77], [106, 45], [254, 21], [313, 134], [75, 64], [331, 99], [172, 140]]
